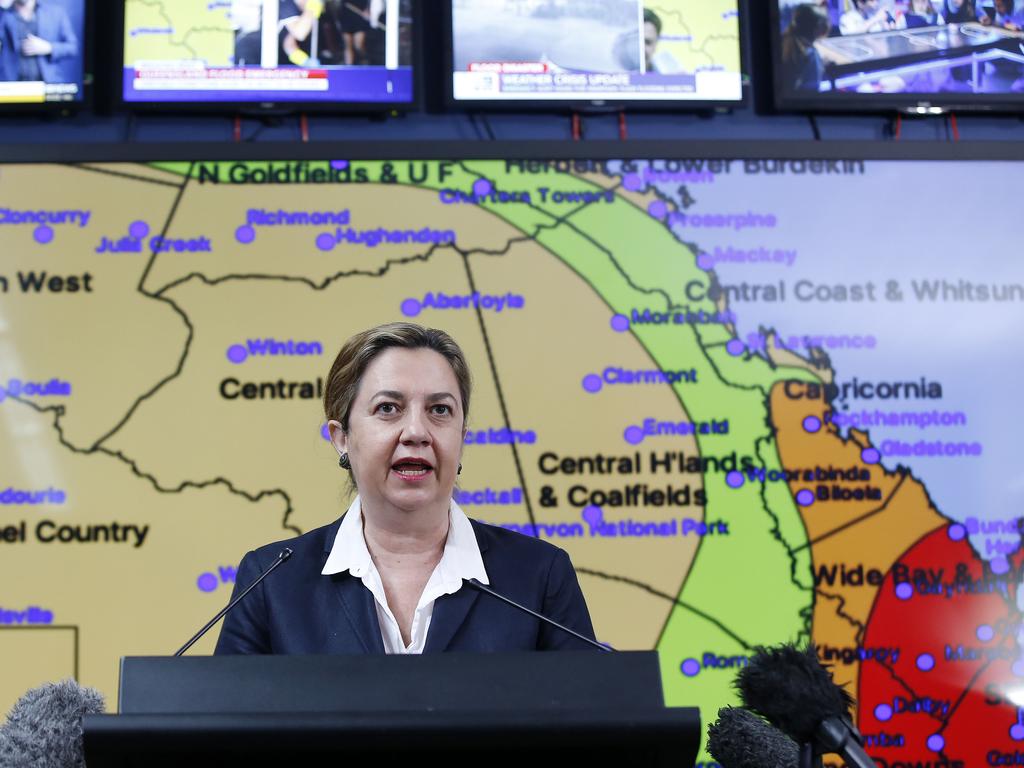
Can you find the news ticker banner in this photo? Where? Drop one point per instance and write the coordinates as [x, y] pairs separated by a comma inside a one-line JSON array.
[[753, 406]]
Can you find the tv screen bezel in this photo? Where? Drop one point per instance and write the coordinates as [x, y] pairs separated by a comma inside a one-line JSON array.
[[85, 98], [785, 101], [588, 105], [234, 106]]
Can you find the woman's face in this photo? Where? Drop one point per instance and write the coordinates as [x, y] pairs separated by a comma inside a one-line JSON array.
[[405, 431]]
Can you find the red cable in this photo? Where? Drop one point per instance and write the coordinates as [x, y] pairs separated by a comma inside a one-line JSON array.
[[576, 132], [623, 133], [304, 127], [238, 128], [956, 128]]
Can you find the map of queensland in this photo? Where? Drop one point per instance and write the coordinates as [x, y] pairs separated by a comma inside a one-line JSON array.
[[747, 420]]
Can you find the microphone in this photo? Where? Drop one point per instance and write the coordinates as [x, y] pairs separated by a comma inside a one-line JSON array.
[[283, 555], [477, 585], [45, 726], [795, 693], [741, 739]]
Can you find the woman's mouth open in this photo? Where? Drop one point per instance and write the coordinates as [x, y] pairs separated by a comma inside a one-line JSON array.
[[412, 469]]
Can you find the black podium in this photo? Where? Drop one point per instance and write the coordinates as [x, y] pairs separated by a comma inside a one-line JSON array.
[[530, 709]]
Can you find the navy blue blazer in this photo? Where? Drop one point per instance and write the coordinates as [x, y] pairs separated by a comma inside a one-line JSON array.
[[298, 610]]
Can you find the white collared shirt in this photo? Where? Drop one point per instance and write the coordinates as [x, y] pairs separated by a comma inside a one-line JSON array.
[[460, 560]]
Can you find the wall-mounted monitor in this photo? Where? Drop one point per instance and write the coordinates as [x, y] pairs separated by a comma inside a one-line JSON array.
[[911, 55], [41, 53], [268, 53], [544, 53]]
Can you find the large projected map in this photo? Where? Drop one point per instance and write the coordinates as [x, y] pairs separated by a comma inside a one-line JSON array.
[[753, 404]]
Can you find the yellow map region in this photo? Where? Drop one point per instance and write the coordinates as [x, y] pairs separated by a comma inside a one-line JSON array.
[[178, 30], [699, 35], [154, 474]]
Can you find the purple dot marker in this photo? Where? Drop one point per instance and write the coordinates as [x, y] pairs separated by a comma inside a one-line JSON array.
[[339, 165], [325, 433], [245, 234], [926, 662], [138, 229], [43, 234], [592, 382], [620, 323], [632, 182], [325, 241], [1017, 732], [658, 209], [734, 479], [1018, 668], [936, 742], [999, 565], [985, 632], [207, 582], [237, 353], [904, 590], [593, 514], [482, 187], [812, 424], [805, 497], [634, 435], [870, 456], [735, 347], [411, 307], [705, 262], [956, 532], [883, 712], [690, 667]]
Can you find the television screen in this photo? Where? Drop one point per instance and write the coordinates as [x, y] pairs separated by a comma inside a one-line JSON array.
[[41, 51], [596, 51], [268, 51], [844, 53]]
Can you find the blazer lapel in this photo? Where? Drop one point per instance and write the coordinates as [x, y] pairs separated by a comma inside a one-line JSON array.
[[450, 612], [357, 602]]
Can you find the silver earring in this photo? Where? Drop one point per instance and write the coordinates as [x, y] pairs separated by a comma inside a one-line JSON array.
[[343, 461]]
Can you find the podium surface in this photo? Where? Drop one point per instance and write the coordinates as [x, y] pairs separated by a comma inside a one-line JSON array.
[[531, 709]]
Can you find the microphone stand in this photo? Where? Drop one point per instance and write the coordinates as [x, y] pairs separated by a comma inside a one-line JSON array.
[[283, 555]]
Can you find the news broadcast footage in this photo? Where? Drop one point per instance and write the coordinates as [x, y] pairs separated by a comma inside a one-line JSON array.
[[309, 51], [901, 46], [41, 51], [596, 50]]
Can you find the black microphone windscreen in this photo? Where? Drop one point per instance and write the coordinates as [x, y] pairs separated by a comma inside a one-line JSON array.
[[792, 690], [44, 728], [741, 739]]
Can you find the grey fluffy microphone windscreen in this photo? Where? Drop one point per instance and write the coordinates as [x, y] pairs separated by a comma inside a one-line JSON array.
[[44, 728], [741, 739]]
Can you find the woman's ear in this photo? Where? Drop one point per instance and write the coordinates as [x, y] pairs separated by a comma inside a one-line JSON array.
[[339, 437]]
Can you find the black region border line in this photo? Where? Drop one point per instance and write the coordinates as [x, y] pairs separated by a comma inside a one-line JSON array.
[[98, 447], [501, 396], [674, 600], [856, 520], [75, 645], [181, 313], [58, 411], [131, 176]]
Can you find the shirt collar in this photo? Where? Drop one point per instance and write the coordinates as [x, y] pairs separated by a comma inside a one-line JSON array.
[[460, 560]]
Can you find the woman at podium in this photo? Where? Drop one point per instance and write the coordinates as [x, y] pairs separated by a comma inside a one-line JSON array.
[[390, 576]]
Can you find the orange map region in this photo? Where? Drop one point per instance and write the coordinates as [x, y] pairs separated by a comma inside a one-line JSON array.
[[859, 518]]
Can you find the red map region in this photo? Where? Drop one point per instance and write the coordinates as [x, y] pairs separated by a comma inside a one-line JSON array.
[[945, 702]]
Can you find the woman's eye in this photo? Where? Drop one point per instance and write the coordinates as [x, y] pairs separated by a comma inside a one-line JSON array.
[[442, 410], [387, 408]]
